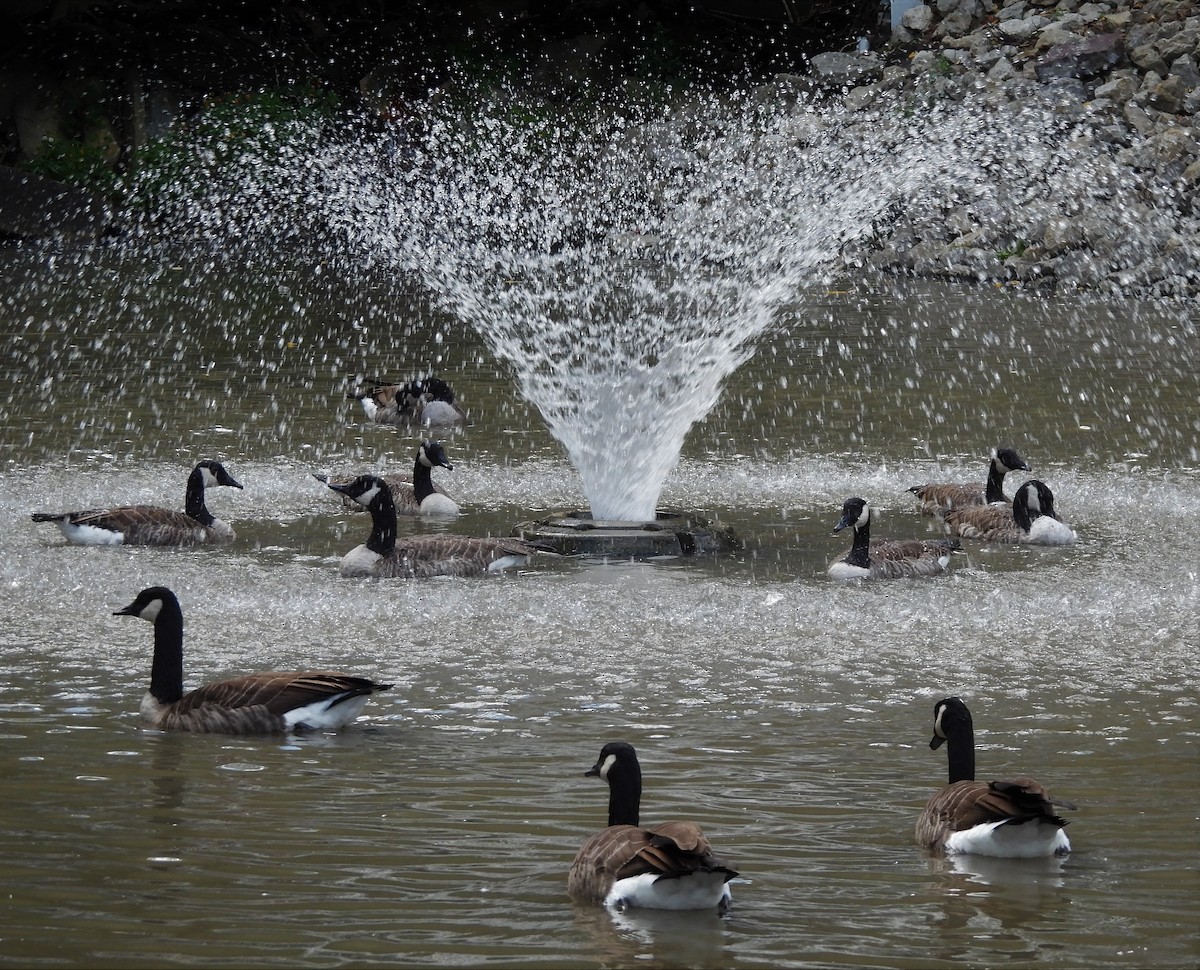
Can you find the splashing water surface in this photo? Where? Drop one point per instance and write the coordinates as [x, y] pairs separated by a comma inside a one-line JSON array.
[[624, 266]]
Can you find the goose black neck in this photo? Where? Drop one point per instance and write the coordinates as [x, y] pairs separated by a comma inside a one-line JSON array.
[[194, 502], [422, 479], [860, 552], [995, 482], [383, 523], [166, 670], [624, 794], [960, 752]]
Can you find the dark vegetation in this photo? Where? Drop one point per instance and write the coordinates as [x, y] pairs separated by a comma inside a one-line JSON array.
[[260, 61]]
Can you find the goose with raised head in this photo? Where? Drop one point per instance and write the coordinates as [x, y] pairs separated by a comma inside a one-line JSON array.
[[274, 702], [1013, 819], [886, 558], [427, 402], [421, 556], [934, 498], [668, 866], [151, 525], [1031, 519], [418, 497]]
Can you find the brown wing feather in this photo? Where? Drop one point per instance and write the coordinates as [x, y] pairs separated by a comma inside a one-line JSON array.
[[894, 558], [145, 524], [964, 804], [450, 555], [937, 497], [992, 522], [621, 851], [254, 703], [278, 691]]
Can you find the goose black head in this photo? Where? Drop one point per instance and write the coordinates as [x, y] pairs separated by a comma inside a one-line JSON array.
[[950, 716], [856, 512]]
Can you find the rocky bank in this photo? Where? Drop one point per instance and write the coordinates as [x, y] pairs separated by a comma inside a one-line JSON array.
[[1113, 211], [1122, 78]]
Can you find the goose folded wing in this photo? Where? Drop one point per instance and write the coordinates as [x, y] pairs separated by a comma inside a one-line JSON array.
[[950, 495], [671, 849], [983, 518], [969, 803], [895, 550], [1027, 796], [277, 693]]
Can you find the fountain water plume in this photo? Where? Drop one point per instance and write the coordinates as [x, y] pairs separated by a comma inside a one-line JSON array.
[[624, 260], [624, 266]]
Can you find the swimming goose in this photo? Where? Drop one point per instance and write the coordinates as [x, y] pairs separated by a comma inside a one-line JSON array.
[[385, 557], [668, 866], [427, 402], [268, 703], [1031, 519], [150, 525], [418, 497], [1005, 819], [935, 498], [888, 558]]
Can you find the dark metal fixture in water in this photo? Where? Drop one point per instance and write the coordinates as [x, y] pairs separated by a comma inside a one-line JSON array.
[[670, 533]]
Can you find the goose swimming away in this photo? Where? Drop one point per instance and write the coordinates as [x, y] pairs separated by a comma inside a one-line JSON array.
[[1031, 519], [937, 497], [1013, 819], [668, 866], [886, 558], [151, 525], [421, 556], [421, 496], [275, 702], [428, 403]]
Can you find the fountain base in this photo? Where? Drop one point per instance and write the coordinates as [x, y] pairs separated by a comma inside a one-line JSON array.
[[672, 533]]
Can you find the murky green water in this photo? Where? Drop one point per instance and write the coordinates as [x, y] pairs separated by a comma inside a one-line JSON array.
[[789, 716]]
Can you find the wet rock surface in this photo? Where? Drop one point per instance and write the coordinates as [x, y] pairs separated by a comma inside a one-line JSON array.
[[1121, 79]]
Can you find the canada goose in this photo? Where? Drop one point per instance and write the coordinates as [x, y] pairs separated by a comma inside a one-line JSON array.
[[418, 497], [1031, 519], [150, 525], [934, 498], [1006, 819], [422, 555], [427, 402], [268, 703], [889, 558], [669, 866]]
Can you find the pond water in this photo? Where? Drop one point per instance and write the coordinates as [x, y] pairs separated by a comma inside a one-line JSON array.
[[787, 714]]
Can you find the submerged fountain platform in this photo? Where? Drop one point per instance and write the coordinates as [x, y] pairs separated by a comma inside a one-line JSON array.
[[671, 533]]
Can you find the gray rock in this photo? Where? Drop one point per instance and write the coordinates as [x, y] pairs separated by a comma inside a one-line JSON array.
[[918, 19], [1186, 70], [1147, 57], [1120, 88], [1168, 94], [837, 69], [1022, 30], [1180, 43], [1085, 58]]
